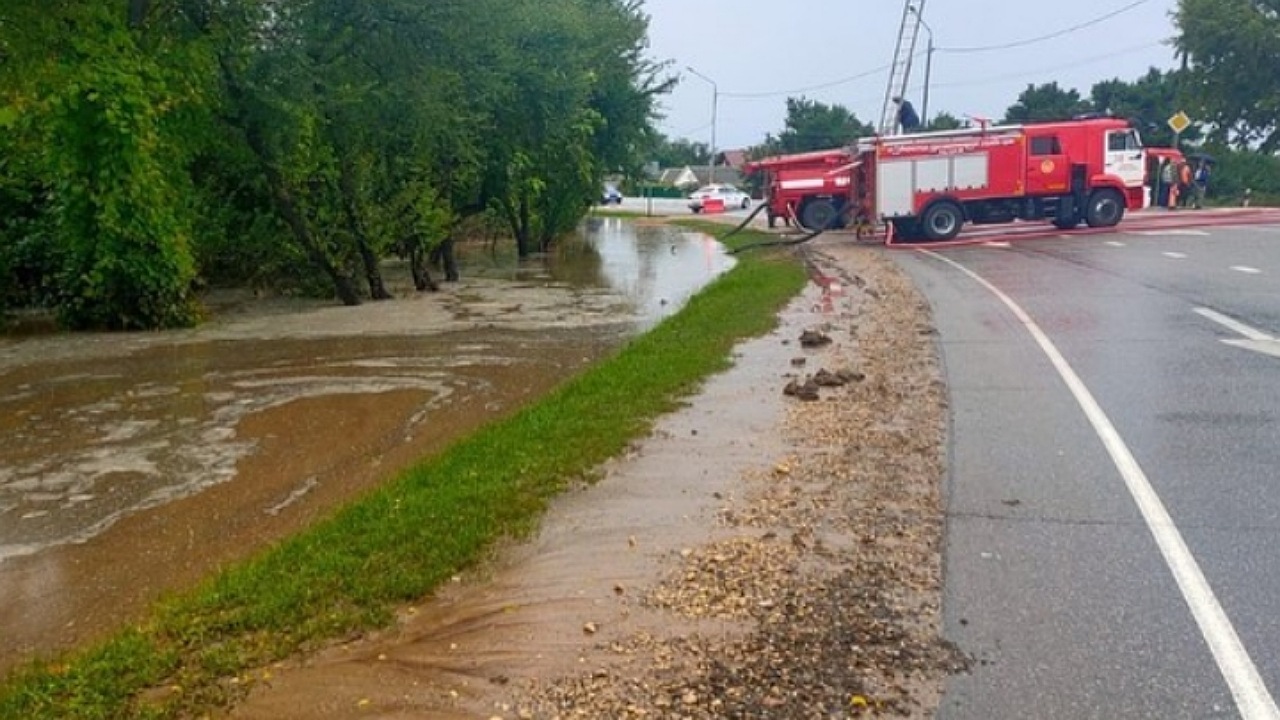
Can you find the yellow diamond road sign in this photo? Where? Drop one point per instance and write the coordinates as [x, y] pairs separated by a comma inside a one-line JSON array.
[[1180, 122]]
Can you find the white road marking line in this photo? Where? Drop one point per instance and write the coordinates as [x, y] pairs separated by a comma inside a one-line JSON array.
[[1266, 347], [1246, 269], [1252, 698], [1254, 339], [1176, 255], [998, 244], [1164, 233], [1114, 243], [1233, 325]]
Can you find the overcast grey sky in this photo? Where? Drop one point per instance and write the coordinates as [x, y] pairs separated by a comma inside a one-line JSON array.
[[770, 50]]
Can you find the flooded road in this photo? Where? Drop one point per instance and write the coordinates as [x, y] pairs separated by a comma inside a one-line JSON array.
[[133, 465]]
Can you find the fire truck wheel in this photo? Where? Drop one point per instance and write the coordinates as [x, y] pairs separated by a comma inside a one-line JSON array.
[[1066, 223], [942, 221], [818, 215], [906, 230], [1106, 208]]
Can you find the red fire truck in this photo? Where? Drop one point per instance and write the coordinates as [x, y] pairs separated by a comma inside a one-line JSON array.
[[928, 185]]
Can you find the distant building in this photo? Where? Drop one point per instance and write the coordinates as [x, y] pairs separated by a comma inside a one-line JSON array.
[[723, 174], [679, 177], [734, 158], [728, 170]]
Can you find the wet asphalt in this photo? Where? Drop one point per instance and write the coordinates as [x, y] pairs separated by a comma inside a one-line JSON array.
[[1055, 584]]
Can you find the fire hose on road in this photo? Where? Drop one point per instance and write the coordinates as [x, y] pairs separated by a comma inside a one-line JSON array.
[[833, 223]]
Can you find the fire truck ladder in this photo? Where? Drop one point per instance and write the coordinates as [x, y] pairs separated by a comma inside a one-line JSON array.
[[900, 73]]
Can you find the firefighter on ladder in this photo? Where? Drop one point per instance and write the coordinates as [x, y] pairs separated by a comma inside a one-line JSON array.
[[908, 120]]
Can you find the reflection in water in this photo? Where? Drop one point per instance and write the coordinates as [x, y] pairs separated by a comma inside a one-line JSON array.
[[660, 271], [151, 457]]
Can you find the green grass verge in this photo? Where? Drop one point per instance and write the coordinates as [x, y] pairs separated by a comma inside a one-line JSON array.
[[350, 573]]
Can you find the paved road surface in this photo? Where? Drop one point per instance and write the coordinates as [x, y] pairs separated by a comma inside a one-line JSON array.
[[1056, 582]]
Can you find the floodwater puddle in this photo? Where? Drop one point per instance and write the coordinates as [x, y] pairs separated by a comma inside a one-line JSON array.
[[134, 464], [579, 582]]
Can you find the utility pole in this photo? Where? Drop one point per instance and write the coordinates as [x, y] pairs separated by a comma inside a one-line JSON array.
[[715, 104], [928, 68]]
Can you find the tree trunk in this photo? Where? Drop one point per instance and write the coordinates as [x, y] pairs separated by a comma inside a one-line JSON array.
[[372, 272], [546, 238], [524, 237], [443, 255], [288, 207], [351, 208], [422, 279], [283, 198]]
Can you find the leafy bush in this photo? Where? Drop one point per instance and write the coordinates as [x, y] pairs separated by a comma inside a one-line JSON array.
[[117, 186], [1236, 170]]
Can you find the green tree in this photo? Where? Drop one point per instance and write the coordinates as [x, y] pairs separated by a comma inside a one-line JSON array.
[[812, 125], [151, 145], [1150, 102], [944, 121], [102, 106], [576, 103], [1231, 48], [676, 153], [1238, 172], [1046, 102]]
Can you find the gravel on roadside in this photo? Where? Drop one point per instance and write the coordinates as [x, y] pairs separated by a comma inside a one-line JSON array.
[[821, 596]]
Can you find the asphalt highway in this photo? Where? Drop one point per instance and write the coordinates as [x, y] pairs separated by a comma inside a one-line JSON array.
[[1113, 544]]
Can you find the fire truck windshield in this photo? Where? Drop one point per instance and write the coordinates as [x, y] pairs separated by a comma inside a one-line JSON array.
[[1123, 141]]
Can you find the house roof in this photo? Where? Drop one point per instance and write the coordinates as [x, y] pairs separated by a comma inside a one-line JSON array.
[[700, 175], [675, 176], [723, 174], [734, 158]]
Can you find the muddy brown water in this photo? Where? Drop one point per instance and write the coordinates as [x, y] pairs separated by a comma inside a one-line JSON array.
[[579, 579], [132, 465]]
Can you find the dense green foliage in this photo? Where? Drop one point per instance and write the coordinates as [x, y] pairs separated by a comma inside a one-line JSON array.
[[944, 121], [1232, 52], [1046, 102], [150, 146], [1240, 174], [1149, 102], [350, 573], [669, 153], [813, 125]]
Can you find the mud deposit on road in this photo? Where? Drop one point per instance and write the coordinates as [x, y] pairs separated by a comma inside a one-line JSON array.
[[759, 556]]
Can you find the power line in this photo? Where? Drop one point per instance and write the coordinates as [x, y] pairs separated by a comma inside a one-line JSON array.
[[997, 79], [1042, 38], [811, 88], [918, 55]]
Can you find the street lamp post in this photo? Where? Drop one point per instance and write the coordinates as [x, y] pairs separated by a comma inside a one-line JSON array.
[[928, 68], [715, 103]]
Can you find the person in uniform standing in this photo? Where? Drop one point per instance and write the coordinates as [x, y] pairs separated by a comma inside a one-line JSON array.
[[1201, 183]]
